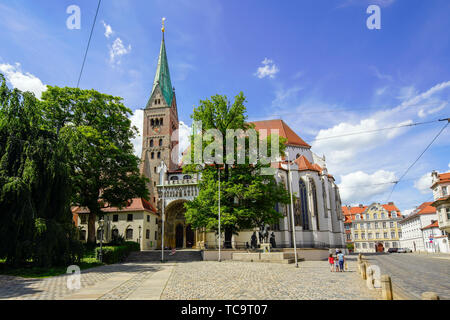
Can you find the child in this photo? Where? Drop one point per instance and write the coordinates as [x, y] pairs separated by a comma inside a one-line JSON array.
[[336, 263], [331, 262]]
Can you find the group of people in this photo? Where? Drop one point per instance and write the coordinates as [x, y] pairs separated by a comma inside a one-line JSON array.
[[337, 262]]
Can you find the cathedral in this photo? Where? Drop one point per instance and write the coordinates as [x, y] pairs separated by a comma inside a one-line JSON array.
[[318, 218]]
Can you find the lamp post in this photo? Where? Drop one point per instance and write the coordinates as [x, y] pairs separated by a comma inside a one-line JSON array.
[[292, 210], [220, 242], [101, 224], [140, 237]]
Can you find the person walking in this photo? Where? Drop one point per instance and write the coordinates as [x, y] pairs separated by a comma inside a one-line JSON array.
[[341, 259], [331, 262]]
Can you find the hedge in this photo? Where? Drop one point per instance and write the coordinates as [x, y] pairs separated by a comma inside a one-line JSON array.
[[115, 254]]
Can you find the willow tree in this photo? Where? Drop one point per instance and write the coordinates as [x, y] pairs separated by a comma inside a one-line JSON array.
[[35, 187], [98, 131]]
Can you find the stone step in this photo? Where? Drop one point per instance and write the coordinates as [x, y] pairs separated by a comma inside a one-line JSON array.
[[153, 256]]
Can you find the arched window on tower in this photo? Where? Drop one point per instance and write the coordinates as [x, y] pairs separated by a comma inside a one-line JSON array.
[[160, 142], [159, 155], [315, 209], [161, 121], [152, 122], [151, 143], [304, 205], [156, 122], [153, 155]]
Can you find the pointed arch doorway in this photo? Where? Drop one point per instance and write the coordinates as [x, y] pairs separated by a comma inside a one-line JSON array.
[[177, 233]]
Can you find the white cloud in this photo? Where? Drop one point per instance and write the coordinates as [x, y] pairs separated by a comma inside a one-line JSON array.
[[108, 30], [424, 183], [22, 81], [423, 112], [117, 50], [362, 187], [268, 69], [407, 212], [380, 75], [137, 120]]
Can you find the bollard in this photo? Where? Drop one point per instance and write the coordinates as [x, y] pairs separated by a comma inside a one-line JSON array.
[[430, 296], [363, 271], [386, 287]]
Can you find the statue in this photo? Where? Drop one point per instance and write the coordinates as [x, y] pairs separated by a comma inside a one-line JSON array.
[[254, 241], [272, 240], [263, 234]]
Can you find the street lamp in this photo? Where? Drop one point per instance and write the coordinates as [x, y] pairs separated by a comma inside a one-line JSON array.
[[101, 223], [219, 217], [292, 210], [140, 236]]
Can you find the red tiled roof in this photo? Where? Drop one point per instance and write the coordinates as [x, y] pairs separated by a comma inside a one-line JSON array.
[[435, 224], [284, 131], [137, 204], [304, 165], [424, 208], [443, 178], [351, 212]]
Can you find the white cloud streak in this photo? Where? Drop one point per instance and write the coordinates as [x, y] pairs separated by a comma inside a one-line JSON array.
[[268, 69], [22, 81]]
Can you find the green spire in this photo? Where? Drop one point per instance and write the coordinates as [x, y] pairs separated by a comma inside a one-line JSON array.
[[162, 76]]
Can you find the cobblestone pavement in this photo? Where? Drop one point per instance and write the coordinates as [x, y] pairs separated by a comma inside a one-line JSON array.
[[199, 280], [416, 273], [52, 288], [230, 280]]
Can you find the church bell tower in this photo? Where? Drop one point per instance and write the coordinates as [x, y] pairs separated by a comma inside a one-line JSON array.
[[160, 129]]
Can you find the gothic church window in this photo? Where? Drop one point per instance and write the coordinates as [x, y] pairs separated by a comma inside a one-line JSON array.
[[304, 205], [153, 155], [151, 141], [324, 194], [159, 155], [314, 198], [160, 142], [152, 122]]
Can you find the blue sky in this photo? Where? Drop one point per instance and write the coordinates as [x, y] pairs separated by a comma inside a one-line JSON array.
[[315, 58]]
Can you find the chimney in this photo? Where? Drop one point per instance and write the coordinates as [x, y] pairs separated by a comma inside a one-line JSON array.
[[361, 206]]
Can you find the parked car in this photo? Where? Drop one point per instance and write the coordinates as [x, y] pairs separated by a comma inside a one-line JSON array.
[[392, 250], [401, 250], [408, 250]]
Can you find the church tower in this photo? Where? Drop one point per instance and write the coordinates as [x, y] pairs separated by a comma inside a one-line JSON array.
[[159, 142]]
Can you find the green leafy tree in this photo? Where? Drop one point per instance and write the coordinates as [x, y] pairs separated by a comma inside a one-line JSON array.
[[248, 199], [98, 132]]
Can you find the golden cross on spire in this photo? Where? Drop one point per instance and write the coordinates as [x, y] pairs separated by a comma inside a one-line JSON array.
[[163, 29]]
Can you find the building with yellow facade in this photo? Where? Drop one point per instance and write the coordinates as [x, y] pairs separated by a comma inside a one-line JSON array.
[[373, 228]]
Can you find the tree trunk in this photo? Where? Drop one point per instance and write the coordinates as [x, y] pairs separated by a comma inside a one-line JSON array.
[[91, 227]]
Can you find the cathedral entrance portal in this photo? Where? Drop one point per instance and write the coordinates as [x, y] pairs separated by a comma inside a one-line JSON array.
[[177, 234]]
